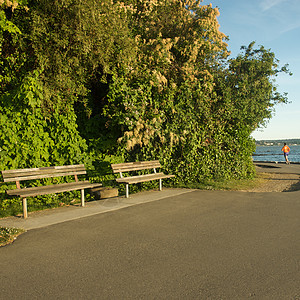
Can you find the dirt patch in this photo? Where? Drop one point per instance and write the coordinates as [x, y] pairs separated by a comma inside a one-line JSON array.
[[276, 182]]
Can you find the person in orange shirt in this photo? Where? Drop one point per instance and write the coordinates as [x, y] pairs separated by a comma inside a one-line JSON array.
[[286, 150]]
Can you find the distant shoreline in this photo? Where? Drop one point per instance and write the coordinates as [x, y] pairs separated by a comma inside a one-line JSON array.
[[276, 162], [293, 142]]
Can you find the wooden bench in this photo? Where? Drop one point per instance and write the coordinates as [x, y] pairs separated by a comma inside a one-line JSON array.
[[19, 175], [138, 166]]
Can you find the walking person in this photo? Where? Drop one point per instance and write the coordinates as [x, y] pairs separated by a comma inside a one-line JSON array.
[[286, 151]]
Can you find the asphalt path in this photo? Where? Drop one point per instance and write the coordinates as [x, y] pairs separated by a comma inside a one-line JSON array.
[[199, 245], [281, 168]]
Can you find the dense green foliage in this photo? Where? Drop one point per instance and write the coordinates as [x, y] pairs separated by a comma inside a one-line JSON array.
[[110, 81]]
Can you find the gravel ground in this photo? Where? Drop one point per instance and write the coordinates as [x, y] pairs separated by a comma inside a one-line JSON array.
[[277, 182]]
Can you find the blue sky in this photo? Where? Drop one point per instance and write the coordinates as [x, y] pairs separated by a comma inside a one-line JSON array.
[[275, 24]]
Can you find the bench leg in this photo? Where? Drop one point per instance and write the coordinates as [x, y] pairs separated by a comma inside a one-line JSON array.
[[160, 184], [127, 190], [82, 198], [25, 215]]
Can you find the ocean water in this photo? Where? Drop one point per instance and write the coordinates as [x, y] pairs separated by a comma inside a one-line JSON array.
[[274, 153]]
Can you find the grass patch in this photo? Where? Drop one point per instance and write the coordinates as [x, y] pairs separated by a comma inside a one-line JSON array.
[[230, 184], [8, 235]]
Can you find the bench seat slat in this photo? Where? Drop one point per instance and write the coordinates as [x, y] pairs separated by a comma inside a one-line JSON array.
[[143, 178], [40, 176], [144, 163], [135, 166], [47, 169], [46, 172], [51, 189]]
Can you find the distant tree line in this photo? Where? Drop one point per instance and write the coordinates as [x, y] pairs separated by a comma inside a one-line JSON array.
[[110, 81], [278, 142]]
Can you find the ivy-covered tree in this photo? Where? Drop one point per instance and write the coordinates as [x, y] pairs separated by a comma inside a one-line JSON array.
[[250, 80], [30, 136], [165, 104]]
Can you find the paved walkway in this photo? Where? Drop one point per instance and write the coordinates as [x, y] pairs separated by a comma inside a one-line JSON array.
[[189, 245], [273, 167]]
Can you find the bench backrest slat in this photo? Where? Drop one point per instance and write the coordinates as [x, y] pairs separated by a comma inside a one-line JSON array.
[[46, 172], [135, 166]]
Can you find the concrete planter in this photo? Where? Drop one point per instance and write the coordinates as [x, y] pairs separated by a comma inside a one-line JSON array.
[[105, 192]]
